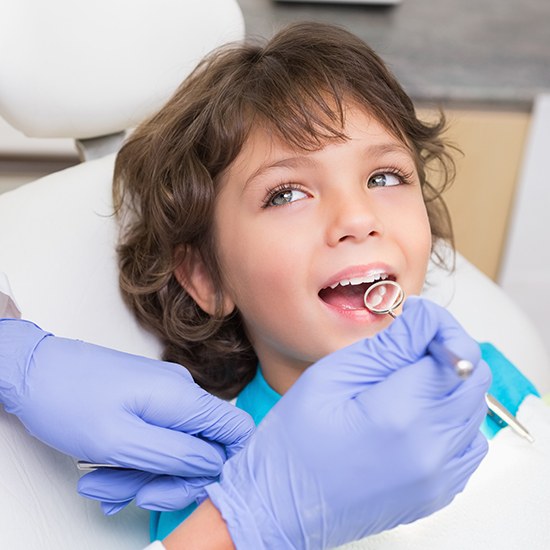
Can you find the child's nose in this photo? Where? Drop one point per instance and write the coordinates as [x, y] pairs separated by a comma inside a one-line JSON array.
[[352, 217]]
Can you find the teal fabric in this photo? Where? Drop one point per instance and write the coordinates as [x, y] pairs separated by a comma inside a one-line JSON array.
[[258, 398], [161, 524], [509, 386]]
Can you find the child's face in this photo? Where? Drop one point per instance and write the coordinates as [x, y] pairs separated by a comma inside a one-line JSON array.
[[291, 224]]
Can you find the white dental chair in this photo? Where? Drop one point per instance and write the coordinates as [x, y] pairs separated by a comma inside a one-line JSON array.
[[88, 71]]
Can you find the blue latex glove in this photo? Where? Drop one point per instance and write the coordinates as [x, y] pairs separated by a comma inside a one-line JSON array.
[[372, 436], [115, 489], [102, 405]]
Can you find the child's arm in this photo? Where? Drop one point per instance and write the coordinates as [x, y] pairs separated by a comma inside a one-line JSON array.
[[203, 530]]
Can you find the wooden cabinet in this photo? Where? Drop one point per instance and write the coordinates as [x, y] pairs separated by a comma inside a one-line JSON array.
[[492, 143]]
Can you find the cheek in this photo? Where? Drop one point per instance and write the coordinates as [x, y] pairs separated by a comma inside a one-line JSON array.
[[415, 240], [256, 265], [421, 248], [423, 233]]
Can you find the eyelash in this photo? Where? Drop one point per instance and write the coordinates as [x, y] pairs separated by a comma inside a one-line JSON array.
[[271, 193], [405, 177]]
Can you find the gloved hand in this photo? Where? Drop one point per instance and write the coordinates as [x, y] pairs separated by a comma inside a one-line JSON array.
[[372, 436], [102, 405]]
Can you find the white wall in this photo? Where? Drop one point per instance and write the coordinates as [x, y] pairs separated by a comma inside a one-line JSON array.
[[24, 159], [525, 273], [13, 143]]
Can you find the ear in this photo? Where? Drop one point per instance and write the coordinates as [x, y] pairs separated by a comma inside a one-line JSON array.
[[193, 275]]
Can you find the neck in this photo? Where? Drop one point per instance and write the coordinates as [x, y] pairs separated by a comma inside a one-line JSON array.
[[280, 375]]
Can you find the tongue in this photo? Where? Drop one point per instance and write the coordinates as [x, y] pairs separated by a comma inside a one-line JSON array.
[[345, 297]]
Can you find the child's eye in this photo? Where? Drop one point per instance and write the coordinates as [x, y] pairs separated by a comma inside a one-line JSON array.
[[385, 179], [282, 196]]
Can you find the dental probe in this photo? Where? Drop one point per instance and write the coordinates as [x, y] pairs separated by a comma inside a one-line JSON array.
[[497, 411], [502, 415], [390, 296], [84, 466]]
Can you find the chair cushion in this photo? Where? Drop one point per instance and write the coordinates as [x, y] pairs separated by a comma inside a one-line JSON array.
[[57, 247]]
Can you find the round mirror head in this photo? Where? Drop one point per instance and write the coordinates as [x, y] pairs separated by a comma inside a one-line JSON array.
[[383, 297]]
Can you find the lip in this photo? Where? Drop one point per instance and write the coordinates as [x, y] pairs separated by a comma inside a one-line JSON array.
[[354, 316]]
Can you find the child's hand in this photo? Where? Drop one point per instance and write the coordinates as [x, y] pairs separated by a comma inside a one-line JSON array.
[[105, 406], [372, 436]]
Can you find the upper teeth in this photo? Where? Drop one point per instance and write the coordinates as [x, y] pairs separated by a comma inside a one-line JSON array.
[[360, 280]]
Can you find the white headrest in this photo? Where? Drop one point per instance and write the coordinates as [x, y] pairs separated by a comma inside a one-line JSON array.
[[85, 69]]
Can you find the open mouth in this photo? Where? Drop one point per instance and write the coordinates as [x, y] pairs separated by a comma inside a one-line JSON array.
[[348, 293]]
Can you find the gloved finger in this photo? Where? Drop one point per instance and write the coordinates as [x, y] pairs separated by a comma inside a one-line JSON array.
[[420, 386], [168, 493], [421, 322], [458, 437], [166, 451], [417, 402], [449, 331], [404, 342], [200, 413], [116, 488], [110, 508], [468, 398], [456, 400], [111, 485]]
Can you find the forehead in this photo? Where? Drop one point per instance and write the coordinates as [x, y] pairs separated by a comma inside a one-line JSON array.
[[266, 144]]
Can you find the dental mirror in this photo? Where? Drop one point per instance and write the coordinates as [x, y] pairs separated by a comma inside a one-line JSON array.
[[383, 297]]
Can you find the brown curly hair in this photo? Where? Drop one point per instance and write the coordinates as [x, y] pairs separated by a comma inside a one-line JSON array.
[[166, 175]]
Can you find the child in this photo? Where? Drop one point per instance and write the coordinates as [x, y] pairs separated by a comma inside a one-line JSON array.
[[261, 202]]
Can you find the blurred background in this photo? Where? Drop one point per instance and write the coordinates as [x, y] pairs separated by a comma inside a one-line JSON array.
[[486, 63]]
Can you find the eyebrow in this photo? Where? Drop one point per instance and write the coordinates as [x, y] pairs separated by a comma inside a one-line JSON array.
[[375, 151], [384, 148], [290, 162]]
